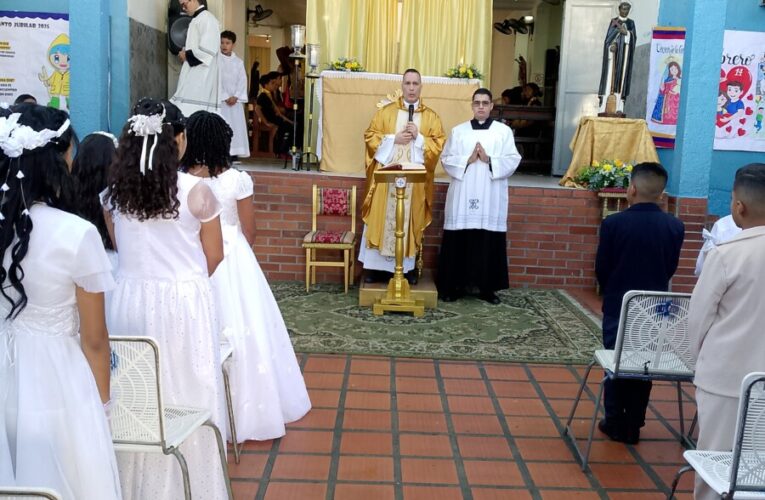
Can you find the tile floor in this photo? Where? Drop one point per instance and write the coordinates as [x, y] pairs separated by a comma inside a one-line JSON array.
[[396, 428]]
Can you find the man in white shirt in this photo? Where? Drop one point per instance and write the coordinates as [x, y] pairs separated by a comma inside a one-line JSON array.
[[199, 79], [233, 92], [479, 156]]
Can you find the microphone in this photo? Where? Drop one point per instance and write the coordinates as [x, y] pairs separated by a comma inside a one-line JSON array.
[[411, 112]]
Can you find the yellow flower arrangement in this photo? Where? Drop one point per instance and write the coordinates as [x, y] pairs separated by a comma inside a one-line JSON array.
[[605, 174], [463, 71], [346, 64]]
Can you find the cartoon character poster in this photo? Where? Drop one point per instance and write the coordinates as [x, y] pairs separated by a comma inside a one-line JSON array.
[[35, 57], [665, 77], [741, 93]]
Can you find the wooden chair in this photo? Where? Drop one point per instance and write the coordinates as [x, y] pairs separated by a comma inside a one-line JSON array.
[[333, 202], [261, 130]]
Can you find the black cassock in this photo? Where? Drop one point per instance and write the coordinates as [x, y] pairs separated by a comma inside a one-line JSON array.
[[622, 50]]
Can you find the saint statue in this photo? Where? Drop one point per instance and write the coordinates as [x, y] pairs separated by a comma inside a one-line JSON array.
[[618, 49]]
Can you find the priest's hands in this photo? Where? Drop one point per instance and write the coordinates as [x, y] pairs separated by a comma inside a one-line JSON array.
[[403, 137], [182, 55], [412, 129], [231, 100]]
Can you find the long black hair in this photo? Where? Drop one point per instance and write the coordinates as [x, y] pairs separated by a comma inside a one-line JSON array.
[[38, 175], [90, 172], [153, 193], [209, 142]]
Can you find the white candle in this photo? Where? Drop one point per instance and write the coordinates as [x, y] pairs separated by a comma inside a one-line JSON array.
[[298, 35], [313, 54]]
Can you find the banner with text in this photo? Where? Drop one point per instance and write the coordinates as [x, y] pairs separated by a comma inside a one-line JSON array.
[[34, 57], [741, 93], [665, 76]]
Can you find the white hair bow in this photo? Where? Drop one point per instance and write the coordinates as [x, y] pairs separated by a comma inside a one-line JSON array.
[[15, 138], [145, 126]]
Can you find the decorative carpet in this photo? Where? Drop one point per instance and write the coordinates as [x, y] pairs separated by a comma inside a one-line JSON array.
[[529, 325]]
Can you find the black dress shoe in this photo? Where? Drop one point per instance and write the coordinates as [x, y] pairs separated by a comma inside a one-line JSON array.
[[372, 276], [614, 432], [490, 297], [412, 277]]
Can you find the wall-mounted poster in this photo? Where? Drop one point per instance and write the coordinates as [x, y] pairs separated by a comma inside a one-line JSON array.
[[34, 57], [665, 77], [741, 93]]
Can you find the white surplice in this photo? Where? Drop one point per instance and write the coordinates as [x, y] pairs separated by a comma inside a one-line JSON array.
[[233, 83], [477, 196], [198, 85]]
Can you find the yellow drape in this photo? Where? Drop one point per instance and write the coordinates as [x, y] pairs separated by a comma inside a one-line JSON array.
[[364, 29], [436, 34]]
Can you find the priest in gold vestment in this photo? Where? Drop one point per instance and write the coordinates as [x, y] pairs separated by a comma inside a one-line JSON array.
[[404, 131]]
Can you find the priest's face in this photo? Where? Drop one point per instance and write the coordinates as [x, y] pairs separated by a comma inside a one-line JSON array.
[[411, 87], [190, 6], [482, 106]]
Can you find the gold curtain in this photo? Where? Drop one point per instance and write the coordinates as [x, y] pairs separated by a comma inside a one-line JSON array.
[[437, 34], [364, 29]]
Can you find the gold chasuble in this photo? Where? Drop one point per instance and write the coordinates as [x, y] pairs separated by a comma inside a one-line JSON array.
[[376, 202]]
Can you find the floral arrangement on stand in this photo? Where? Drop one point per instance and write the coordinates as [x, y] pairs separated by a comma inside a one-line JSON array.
[[464, 71], [346, 64], [605, 174]]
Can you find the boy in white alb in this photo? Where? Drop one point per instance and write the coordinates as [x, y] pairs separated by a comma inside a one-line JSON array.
[[233, 92]]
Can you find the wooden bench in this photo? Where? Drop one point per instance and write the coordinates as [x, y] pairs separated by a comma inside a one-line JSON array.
[[536, 150]]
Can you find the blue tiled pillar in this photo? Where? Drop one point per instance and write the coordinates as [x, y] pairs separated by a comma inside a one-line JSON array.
[[691, 161]]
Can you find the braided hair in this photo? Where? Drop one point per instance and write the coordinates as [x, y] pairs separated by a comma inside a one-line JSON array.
[[89, 172], [153, 193], [209, 142], [45, 179]]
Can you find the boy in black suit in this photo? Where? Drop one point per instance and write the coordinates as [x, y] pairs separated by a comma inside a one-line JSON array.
[[639, 249]]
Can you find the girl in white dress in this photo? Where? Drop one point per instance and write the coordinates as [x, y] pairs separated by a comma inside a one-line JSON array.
[[267, 387], [166, 228], [54, 384]]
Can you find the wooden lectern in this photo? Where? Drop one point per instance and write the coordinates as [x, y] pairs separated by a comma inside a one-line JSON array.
[[398, 297]]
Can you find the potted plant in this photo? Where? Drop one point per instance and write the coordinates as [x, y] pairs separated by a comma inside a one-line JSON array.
[[606, 175]]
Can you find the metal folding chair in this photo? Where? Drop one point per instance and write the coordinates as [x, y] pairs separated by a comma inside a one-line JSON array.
[[226, 352], [651, 344], [140, 422], [28, 493], [742, 471]]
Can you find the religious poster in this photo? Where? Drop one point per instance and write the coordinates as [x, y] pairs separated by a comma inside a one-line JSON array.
[[741, 93], [34, 57], [665, 78]]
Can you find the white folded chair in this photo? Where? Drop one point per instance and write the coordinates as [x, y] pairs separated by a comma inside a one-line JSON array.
[[140, 422], [739, 474], [651, 344], [12, 492]]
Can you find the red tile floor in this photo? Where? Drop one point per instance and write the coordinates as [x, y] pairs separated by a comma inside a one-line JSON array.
[[397, 428]]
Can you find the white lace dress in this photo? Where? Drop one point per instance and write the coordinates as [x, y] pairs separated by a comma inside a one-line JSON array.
[[53, 430], [266, 384], [163, 292]]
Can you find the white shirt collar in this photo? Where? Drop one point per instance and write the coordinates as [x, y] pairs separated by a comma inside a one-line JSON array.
[[415, 104]]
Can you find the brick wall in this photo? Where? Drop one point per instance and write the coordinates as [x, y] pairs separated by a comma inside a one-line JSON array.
[[552, 233]]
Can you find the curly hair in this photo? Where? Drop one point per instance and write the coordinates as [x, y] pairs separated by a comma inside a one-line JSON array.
[[154, 193], [209, 142], [89, 173], [45, 179]]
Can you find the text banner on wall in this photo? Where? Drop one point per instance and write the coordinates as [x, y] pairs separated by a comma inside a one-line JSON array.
[[741, 93], [665, 76], [34, 57]]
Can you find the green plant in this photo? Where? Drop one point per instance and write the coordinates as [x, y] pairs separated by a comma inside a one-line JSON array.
[[605, 174]]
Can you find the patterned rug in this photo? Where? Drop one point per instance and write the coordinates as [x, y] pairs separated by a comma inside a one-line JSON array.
[[530, 325]]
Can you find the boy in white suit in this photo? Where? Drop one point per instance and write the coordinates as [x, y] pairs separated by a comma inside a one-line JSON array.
[[726, 315], [233, 93]]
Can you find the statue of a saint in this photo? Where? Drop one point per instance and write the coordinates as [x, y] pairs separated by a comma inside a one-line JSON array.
[[618, 49]]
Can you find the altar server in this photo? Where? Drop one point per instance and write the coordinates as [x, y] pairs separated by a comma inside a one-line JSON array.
[[233, 92], [479, 157]]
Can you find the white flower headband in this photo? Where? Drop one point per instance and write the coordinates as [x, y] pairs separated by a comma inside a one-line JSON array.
[[110, 136], [15, 138], [145, 126]]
